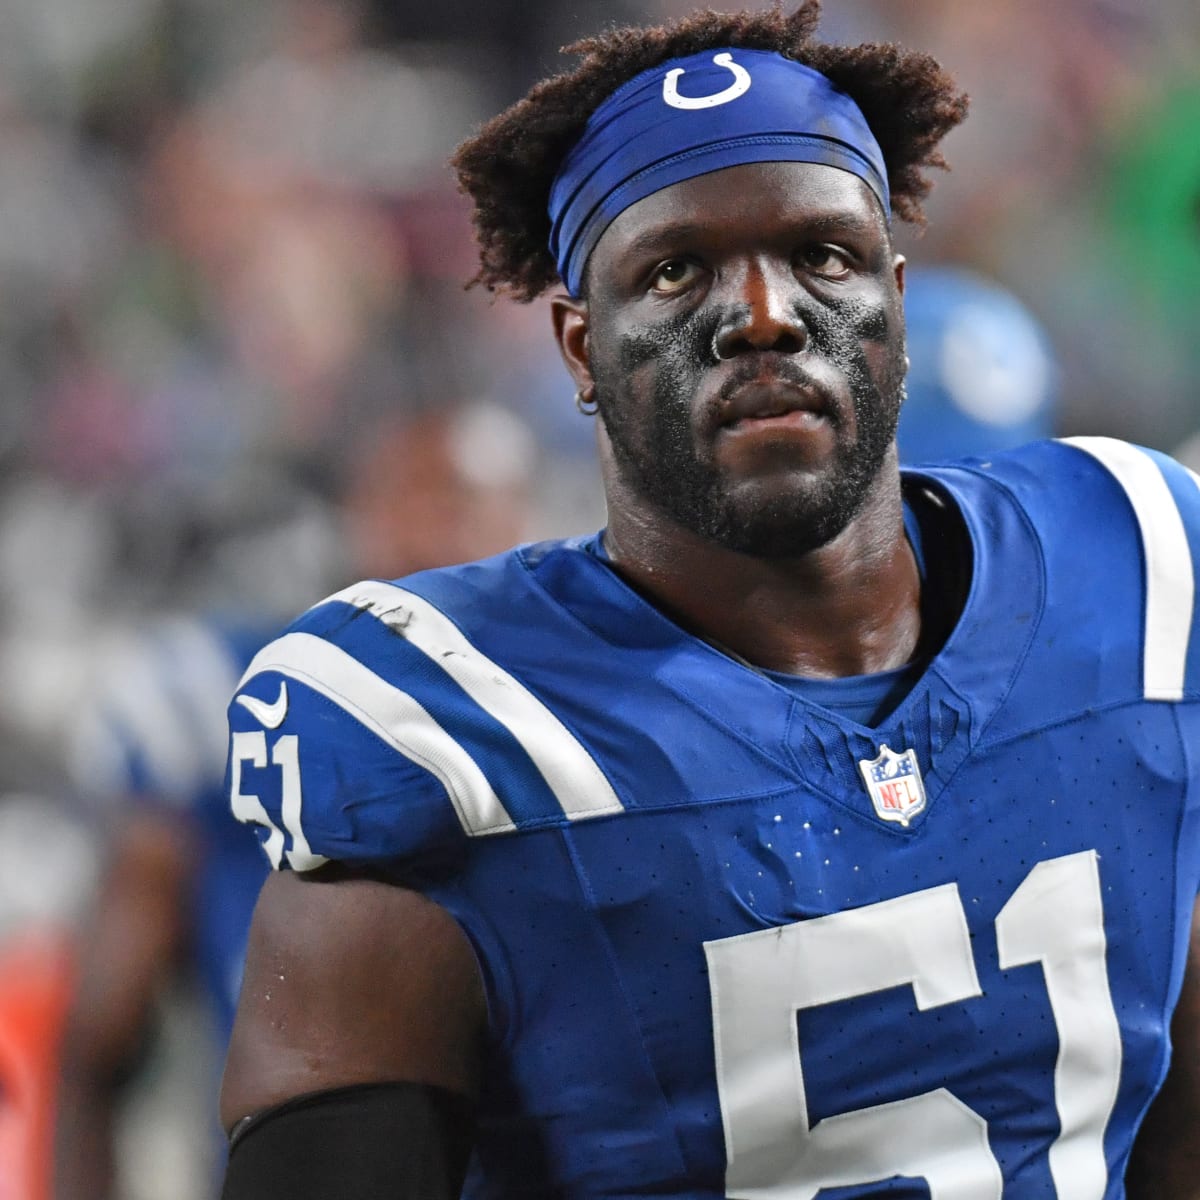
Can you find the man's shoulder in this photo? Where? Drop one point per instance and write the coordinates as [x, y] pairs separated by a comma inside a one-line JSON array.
[[410, 695], [1112, 497], [473, 593], [1099, 541], [1062, 475]]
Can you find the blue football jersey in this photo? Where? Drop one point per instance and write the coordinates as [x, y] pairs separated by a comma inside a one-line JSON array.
[[736, 944]]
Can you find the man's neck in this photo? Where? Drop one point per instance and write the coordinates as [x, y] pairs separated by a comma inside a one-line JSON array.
[[850, 607]]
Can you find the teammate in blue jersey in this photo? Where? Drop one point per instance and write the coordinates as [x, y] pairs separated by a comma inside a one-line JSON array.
[[815, 830], [178, 887]]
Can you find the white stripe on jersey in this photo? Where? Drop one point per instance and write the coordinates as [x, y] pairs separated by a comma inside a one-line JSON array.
[[1170, 581], [203, 671], [569, 770], [392, 715], [160, 703]]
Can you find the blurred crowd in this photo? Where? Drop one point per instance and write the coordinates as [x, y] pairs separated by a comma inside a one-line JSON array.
[[239, 367]]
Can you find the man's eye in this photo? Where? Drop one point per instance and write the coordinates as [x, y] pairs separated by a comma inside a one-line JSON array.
[[826, 260], [674, 275]]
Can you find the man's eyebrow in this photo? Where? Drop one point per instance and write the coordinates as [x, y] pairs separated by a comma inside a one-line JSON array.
[[657, 237], [821, 223], [840, 221]]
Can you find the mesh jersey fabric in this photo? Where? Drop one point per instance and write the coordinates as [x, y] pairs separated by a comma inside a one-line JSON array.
[[711, 965]]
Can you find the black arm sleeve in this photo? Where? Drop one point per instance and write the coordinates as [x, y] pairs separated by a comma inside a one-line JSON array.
[[387, 1141]]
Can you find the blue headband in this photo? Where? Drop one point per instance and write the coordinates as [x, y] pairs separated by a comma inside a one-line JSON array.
[[693, 115]]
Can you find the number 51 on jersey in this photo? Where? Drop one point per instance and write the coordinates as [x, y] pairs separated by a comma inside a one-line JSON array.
[[760, 980]]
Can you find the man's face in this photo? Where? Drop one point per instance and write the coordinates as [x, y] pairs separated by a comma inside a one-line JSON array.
[[745, 339]]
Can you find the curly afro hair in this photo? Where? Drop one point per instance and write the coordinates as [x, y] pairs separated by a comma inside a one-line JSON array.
[[508, 167]]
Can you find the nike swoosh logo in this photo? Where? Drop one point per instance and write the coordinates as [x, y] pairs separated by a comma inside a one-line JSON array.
[[271, 715]]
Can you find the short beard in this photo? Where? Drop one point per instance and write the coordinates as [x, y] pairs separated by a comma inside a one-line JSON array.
[[660, 464]]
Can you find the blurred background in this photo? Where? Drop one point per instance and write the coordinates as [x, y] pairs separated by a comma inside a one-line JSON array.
[[238, 368]]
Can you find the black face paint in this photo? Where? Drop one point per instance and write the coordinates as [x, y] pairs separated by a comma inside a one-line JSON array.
[[651, 425]]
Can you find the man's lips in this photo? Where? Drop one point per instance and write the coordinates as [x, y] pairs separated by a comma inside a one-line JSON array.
[[775, 402]]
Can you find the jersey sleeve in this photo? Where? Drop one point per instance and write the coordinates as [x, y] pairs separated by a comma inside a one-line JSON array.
[[345, 748], [1164, 497]]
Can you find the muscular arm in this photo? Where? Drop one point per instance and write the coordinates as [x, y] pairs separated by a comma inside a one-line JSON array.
[[351, 981], [1165, 1164]]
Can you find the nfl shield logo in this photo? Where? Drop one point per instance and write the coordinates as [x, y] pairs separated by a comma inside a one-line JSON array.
[[894, 784]]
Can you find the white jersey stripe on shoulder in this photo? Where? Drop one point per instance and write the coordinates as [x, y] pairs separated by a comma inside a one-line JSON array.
[[1170, 578], [569, 770], [392, 715]]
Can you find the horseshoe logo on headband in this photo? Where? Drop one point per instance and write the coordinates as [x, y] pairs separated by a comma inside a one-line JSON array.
[[739, 86]]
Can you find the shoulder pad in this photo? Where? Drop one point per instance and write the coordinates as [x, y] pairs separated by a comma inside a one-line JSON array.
[[1164, 497], [375, 730]]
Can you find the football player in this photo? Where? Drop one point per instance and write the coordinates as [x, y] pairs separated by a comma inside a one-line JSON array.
[[182, 877], [178, 887], [813, 829]]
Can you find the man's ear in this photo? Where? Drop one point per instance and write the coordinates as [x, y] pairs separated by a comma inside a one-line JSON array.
[[571, 333], [898, 264]]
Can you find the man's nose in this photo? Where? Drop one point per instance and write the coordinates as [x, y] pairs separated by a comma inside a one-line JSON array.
[[761, 313]]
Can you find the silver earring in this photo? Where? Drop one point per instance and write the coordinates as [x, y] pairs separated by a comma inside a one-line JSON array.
[[586, 405]]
